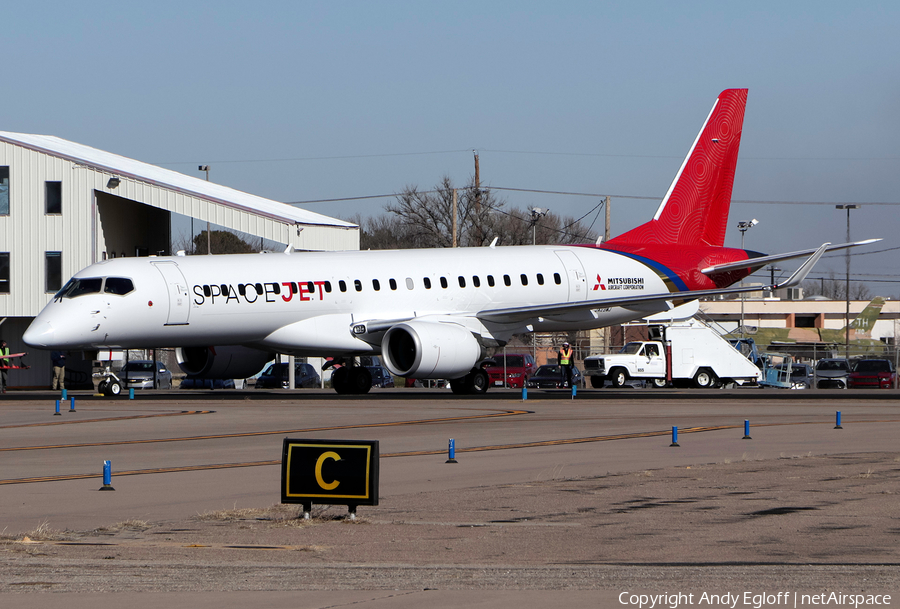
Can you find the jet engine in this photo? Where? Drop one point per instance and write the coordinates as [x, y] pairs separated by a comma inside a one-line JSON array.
[[231, 362], [422, 349]]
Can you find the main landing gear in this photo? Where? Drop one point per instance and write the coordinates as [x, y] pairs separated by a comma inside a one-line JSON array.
[[351, 378], [475, 382]]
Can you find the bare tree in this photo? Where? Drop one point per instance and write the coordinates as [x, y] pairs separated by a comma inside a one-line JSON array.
[[835, 288], [424, 219]]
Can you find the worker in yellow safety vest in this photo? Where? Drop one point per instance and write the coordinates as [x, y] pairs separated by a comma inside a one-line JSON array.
[[4, 363], [566, 360]]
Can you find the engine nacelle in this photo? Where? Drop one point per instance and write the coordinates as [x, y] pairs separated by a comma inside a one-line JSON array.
[[231, 362], [422, 349]]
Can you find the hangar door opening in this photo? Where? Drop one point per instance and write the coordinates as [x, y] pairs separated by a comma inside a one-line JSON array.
[[129, 228]]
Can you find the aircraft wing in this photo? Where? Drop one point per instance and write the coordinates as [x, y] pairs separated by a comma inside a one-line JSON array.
[[637, 302], [758, 263]]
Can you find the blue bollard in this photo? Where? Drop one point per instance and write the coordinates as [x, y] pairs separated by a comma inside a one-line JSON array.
[[56, 414], [674, 437], [524, 393], [107, 477], [64, 393], [72, 404], [746, 430], [574, 390], [131, 393], [837, 424], [451, 449]]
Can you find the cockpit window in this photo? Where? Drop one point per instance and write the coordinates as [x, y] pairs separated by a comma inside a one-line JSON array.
[[118, 285], [80, 286]]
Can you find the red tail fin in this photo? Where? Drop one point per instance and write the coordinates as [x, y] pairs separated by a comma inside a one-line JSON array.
[[695, 209]]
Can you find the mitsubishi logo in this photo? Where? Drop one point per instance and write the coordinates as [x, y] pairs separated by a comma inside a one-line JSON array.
[[600, 285]]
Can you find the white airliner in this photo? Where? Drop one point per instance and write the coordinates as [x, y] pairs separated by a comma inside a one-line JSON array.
[[430, 313]]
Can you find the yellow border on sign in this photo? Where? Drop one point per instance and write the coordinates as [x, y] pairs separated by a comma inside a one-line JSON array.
[[287, 483]]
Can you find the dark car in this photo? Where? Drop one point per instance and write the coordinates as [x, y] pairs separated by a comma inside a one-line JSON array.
[[191, 382], [832, 373], [519, 368], [138, 374], [552, 376], [381, 376], [276, 376], [872, 373], [801, 376]]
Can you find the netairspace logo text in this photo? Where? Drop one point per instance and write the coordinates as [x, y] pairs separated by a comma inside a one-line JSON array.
[[757, 600]]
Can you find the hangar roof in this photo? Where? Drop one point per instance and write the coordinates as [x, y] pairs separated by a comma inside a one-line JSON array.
[[138, 170]]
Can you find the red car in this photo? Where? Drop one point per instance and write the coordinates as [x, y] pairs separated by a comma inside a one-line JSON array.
[[872, 373], [519, 368]]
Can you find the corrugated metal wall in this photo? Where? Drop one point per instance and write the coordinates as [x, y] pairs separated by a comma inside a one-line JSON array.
[[27, 233]]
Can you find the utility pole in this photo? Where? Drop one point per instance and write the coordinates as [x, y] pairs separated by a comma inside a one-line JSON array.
[[453, 241], [478, 235], [606, 228]]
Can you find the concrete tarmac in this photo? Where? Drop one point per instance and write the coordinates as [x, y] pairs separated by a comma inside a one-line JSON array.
[[539, 486]]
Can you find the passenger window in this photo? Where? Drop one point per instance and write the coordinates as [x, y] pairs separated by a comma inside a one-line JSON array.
[[328, 287], [462, 281], [540, 279], [342, 285], [393, 283], [507, 281], [118, 285], [358, 285], [524, 278], [276, 289], [409, 283], [309, 287], [444, 282], [293, 288], [557, 278], [490, 279], [376, 284], [427, 283], [476, 281], [207, 292]]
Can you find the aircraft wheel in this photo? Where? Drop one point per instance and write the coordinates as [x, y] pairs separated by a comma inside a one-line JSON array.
[[477, 381], [101, 388], [704, 379], [113, 389], [618, 377], [658, 383], [340, 380], [359, 380], [458, 386]]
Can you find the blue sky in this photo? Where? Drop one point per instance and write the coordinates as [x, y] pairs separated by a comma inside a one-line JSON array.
[[300, 101]]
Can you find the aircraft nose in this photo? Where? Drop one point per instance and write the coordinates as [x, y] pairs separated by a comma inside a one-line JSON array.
[[39, 334]]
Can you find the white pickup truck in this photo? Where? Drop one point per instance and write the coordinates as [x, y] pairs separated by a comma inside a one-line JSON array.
[[681, 353]]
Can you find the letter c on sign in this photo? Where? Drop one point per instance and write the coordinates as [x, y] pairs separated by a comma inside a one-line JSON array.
[[328, 486]]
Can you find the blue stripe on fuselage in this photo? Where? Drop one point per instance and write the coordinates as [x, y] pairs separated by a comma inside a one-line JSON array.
[[656, 266]]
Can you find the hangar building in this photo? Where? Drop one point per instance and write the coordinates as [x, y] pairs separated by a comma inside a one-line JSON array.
[[64, 206]]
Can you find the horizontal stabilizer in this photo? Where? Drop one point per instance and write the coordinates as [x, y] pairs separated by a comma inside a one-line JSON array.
[[758, 263]]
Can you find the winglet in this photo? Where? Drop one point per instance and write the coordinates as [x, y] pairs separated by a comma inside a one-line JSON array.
[[801, 273]]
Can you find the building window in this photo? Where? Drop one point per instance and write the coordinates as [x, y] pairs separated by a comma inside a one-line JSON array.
[[4, 272], [4, 191], [53, 197], [53, 269]]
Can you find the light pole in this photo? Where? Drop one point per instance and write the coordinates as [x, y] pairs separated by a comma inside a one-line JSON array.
[[847, 284], [744, 227], [536, 214]]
